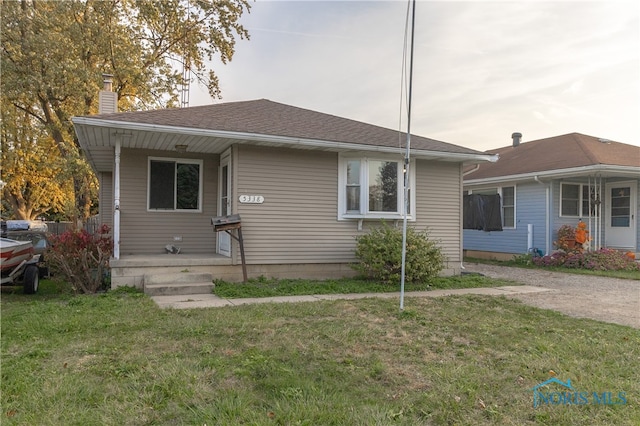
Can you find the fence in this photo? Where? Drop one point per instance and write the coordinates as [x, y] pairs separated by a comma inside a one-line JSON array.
[[57, 228]]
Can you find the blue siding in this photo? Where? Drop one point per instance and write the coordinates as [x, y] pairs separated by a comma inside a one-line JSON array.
[[558, 221], [530, 209]]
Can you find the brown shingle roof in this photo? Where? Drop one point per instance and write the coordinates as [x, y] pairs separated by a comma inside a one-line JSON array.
[[555, 153], [266, 117]]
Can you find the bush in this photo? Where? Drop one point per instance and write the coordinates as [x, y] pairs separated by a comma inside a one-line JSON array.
[[81, 259], [380, 255], [599, 260]]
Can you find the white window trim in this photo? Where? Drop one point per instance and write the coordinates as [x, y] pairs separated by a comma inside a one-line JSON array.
[[515, 220], [580, 199], [176, 160], [364, 184], [499, 191]]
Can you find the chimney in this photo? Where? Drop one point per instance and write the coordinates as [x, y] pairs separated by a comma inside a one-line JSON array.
[[516, 138], [107, 99]]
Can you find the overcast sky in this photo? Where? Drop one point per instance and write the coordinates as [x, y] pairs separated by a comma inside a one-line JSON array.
[[482, 70]]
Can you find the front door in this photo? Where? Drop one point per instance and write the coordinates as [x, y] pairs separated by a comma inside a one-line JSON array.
[[620, 215], [223, 245]]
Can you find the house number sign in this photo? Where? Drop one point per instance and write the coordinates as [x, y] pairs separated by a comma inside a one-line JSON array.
[[251, 199]]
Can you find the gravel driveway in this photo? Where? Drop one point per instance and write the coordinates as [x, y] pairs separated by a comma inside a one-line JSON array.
[[605, 299]]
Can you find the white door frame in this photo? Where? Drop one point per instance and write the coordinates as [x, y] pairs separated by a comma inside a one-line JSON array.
[[621, 236], [223, 240]]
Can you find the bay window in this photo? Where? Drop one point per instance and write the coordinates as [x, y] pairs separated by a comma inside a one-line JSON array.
[[373, 188]]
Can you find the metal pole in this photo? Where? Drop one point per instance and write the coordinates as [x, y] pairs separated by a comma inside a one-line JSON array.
[[116, 199], [406, 160]]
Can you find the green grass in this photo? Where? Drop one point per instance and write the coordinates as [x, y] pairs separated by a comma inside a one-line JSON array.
[[271, 287], [627, 275], [117, 359]]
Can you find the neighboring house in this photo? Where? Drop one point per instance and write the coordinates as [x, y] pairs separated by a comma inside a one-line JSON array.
[[305, 184], [547, 183]]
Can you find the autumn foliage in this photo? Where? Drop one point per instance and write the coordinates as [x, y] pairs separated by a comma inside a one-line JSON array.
[[81, 259]]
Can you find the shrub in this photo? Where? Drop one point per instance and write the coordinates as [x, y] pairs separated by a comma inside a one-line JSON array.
[[380, 255], [600, 260], [81, 259]]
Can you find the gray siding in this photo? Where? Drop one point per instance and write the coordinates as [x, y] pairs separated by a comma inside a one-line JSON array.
[[144, 232], [297, 223], [106, 199], [438, 205], [530, 209]]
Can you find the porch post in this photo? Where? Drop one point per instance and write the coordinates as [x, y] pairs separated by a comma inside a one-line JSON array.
[[116, 200]]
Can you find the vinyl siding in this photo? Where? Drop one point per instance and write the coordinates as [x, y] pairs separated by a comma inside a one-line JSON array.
[[106, 199], [559, 221], [530, 209], [144, 232], [438, 205], [297, 223]]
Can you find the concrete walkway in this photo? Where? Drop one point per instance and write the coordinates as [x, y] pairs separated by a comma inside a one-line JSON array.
[[213, 301]]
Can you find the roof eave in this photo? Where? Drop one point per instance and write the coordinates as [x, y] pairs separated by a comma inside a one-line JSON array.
[[81, 122], [556, 174]]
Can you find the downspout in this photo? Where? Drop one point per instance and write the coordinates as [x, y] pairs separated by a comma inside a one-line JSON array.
[[116, 200], [547, 219], [472, 170], [477, 166]]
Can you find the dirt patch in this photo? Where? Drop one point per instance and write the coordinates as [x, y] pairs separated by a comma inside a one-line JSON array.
[[605, 299]]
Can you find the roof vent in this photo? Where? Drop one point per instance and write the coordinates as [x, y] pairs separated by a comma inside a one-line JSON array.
[[607, 141], [516, 138]]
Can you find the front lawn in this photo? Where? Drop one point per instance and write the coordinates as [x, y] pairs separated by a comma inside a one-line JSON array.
[[271, 287], [117, 359]]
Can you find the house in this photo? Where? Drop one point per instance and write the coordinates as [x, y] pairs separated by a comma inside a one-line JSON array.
[[547, 183], [304, 184]]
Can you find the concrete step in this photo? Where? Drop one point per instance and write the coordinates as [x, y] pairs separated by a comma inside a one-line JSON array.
[[178, 284]]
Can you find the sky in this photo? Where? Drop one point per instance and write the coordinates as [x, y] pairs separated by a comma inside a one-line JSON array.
[[481, 69]]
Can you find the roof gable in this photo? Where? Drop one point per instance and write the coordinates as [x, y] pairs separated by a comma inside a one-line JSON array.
[[570, 151]]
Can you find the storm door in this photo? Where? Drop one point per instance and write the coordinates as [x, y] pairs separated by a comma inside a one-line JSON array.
[[223, 245], [620, 218]]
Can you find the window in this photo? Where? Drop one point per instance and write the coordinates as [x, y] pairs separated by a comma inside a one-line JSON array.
[[574, 200], [621, 207], [509, 207], [507, 203], [175, 184], [373, 188]]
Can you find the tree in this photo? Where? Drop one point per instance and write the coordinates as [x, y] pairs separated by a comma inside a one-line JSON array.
[[55, 52], [34, 181]]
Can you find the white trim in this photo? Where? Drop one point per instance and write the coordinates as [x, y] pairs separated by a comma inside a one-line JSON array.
[[609, 231], [243, 137], [116, 200], [579, 212], [581, 200], [573, 172], [223, 239], [498, 190], [199, 162], [364, 213]]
